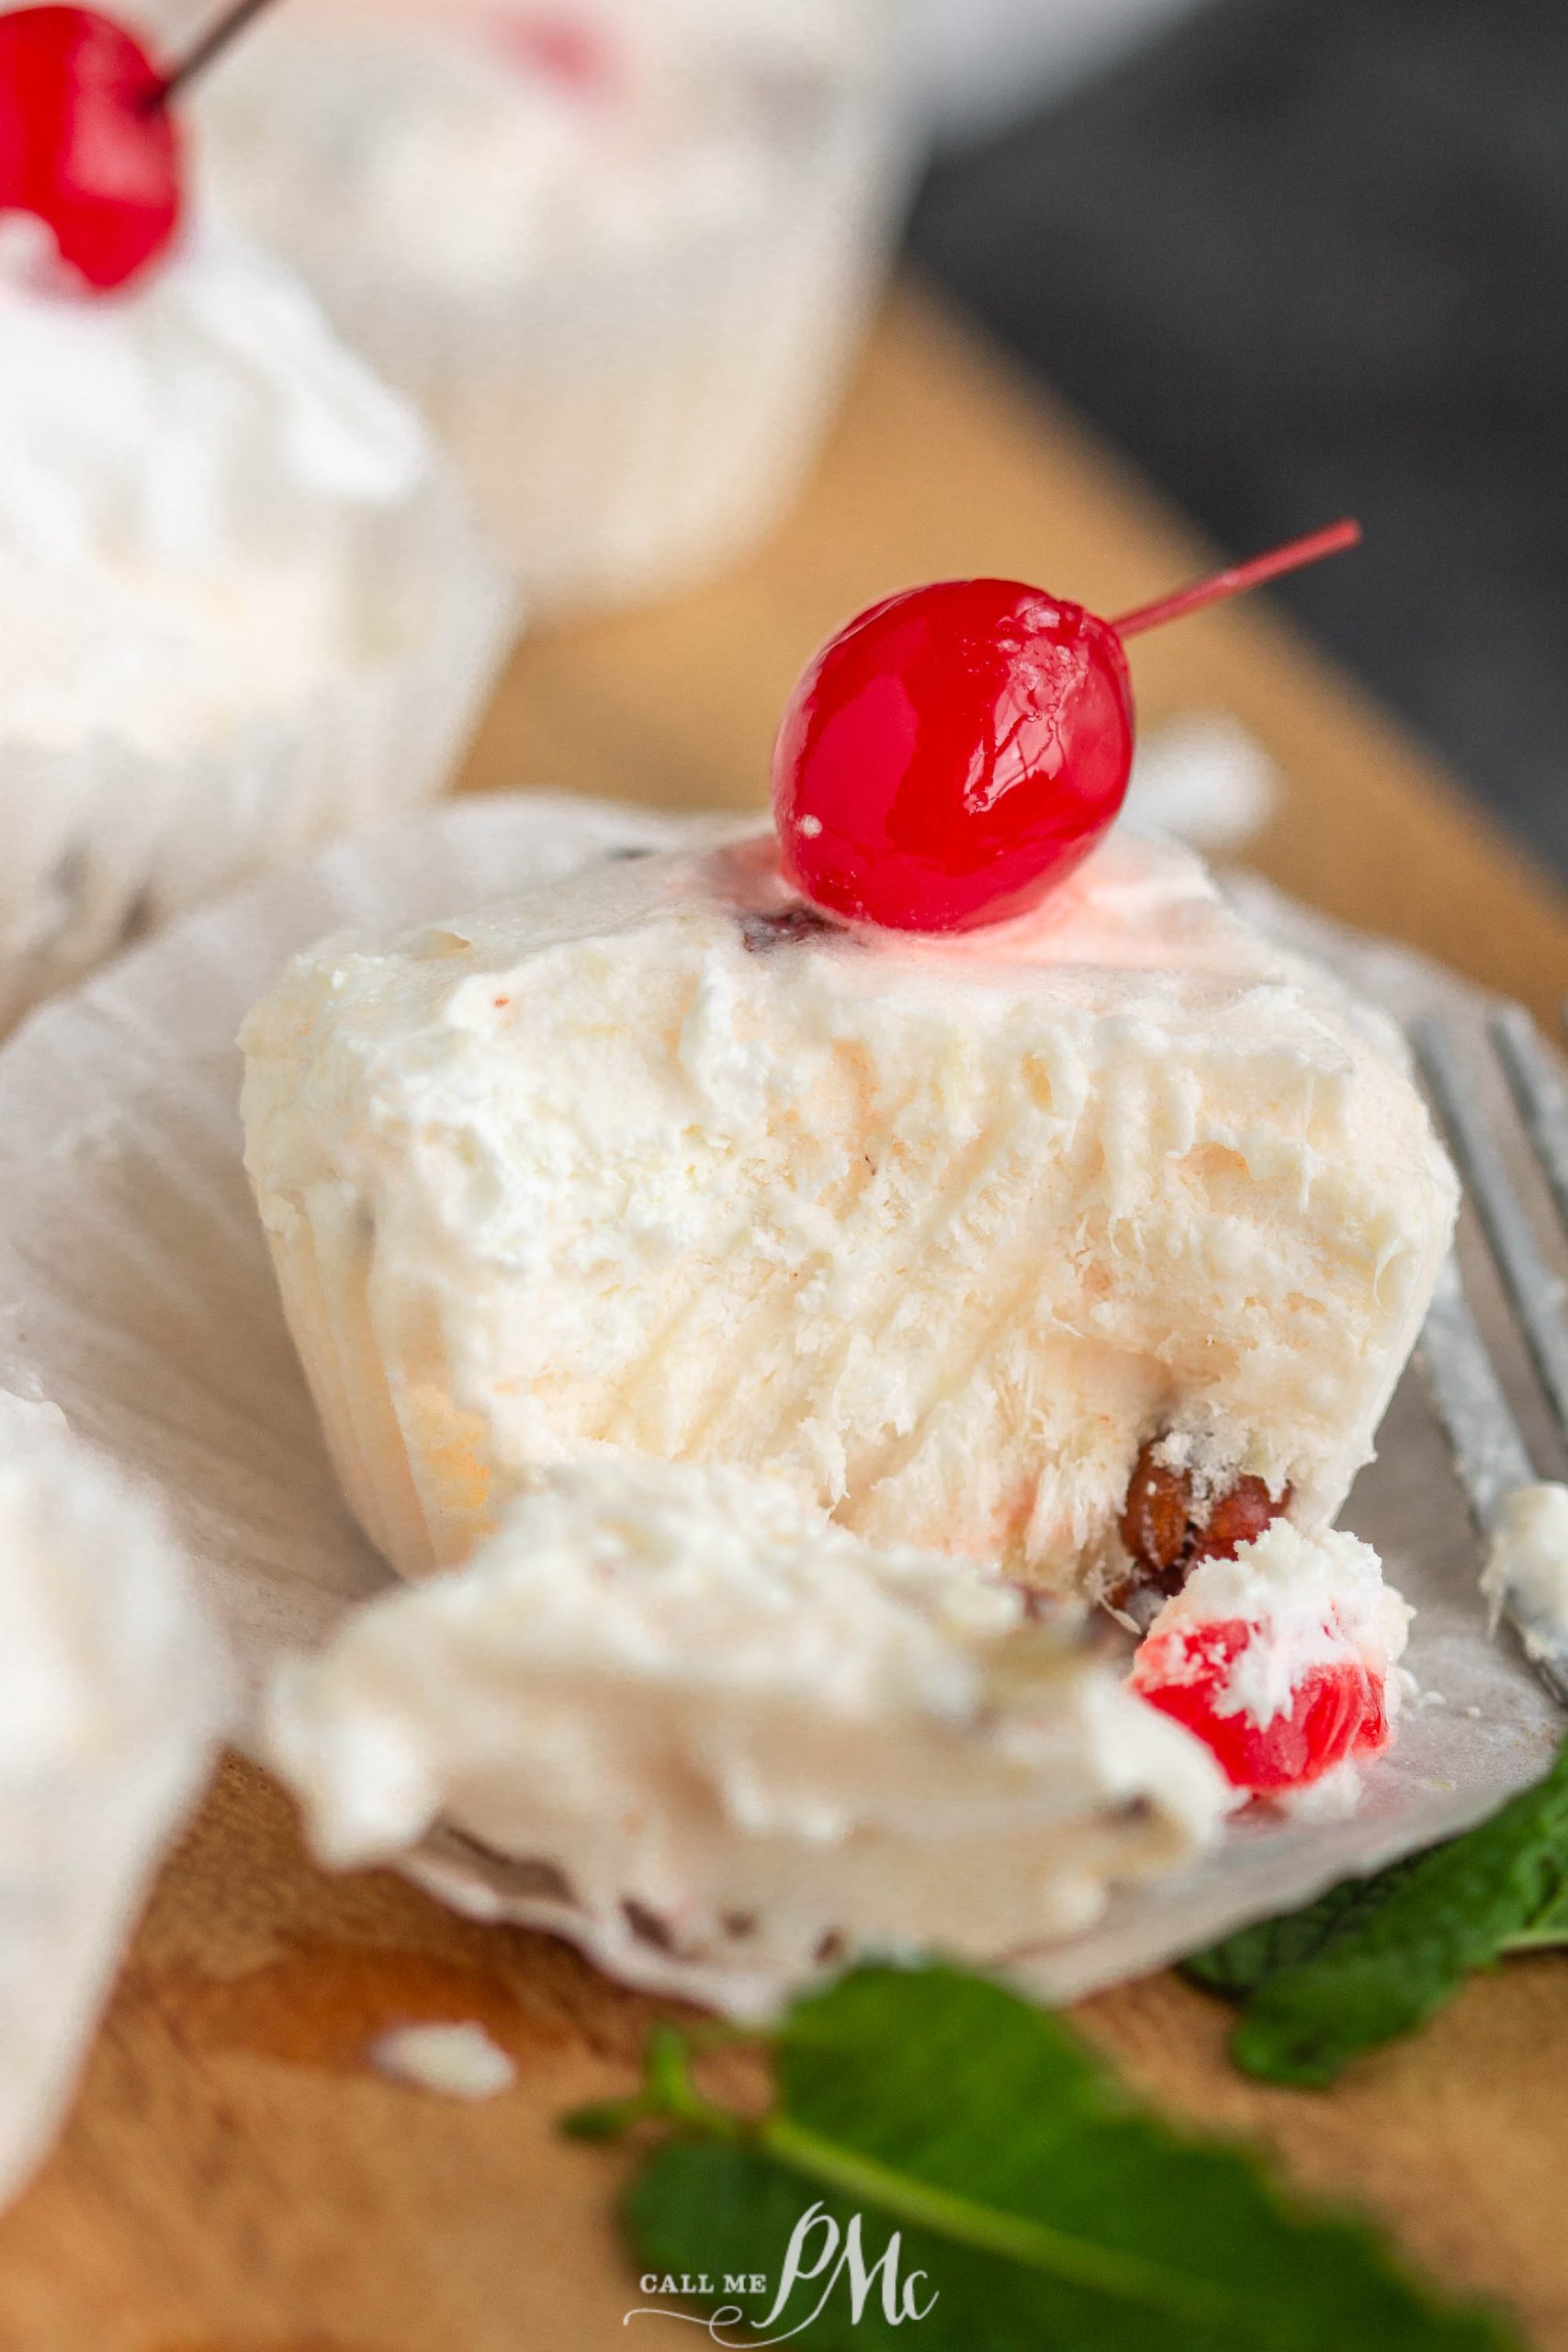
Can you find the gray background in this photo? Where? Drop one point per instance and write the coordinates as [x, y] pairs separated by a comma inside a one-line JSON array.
[[1309, 256]]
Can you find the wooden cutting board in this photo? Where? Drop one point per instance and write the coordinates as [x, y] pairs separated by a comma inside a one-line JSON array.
[[233, 2178]]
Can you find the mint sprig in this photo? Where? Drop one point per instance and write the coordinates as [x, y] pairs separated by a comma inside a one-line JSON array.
[[1375, 1958], [1035, 2205]]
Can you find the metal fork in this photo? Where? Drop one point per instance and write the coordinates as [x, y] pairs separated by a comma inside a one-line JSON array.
[[1490, 1450]]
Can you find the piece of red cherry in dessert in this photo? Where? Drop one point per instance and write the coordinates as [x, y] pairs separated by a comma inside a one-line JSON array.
[[949, 757], [1336, 1712], [89, 143]]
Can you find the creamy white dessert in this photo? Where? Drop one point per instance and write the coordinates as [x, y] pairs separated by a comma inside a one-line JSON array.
[[943, 1234], [474, 142], [239, 607], [186, 473], [113, 1693], [618, 250], [1526, 1568], [733, 1745]]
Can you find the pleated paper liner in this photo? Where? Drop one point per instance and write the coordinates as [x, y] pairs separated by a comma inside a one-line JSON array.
[[626, 417], [136, 1292]]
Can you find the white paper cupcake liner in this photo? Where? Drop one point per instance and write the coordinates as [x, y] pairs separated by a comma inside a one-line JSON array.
[[625, 425], [627, 436], [137, 1293], [103, 841]]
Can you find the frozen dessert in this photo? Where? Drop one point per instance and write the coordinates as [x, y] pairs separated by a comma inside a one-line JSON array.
[[961, 1238], [186, 475], [729, 1745], [1527, 1567], [113, 1694], [242, 609], [618, 250]]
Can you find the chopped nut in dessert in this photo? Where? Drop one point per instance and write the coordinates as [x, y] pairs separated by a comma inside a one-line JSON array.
[[1166, 1532], [1238, 1517], [787, 927], [1156, 1520]]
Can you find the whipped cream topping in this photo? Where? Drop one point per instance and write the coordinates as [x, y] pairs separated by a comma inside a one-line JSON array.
[[730, 1736], [940, 1232], [113, 1693], [191, 477], [1527, 1567], [1314, 1598], [474, 144]]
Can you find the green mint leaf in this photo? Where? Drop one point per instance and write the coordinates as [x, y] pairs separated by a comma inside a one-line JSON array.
[[1241, 1962], [606, 2121], [1548, 1926], [1374, 1958], [1041, 2209]]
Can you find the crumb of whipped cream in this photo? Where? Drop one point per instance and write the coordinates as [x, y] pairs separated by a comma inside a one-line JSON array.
[[455, 2061], [1332, 1797], [1527, 1565]]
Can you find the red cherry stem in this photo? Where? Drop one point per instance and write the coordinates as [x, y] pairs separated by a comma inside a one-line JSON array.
[[1238, 576], [202, 52]]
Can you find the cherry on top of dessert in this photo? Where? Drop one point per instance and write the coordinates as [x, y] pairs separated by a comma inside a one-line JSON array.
[[957, 751], [89, 143], [564, 48]]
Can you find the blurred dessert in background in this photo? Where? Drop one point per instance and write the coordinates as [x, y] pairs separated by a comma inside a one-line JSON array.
[[244, 608], [618, 250]]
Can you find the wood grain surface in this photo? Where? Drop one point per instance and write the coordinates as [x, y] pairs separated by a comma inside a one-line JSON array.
[[234, 2178]]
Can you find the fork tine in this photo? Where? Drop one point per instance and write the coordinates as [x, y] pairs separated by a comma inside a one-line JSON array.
[[1539, 1094], [1535, 1292], [1494, 1463], [1488, 1445], [1489, 1448]]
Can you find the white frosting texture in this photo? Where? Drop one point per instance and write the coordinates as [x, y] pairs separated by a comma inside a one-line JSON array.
[[112, 1696], [190, 475], [728, 1737], [1527, 1567], [939, 1233]]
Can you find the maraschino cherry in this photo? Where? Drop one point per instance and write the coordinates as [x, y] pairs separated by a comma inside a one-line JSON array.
[[565, 49], [89, 143], [1336, 1712], [950, 756]]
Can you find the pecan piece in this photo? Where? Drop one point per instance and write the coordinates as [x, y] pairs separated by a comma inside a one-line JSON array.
[[1236, 1518], [1159, 1527], [1156, 1519]]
